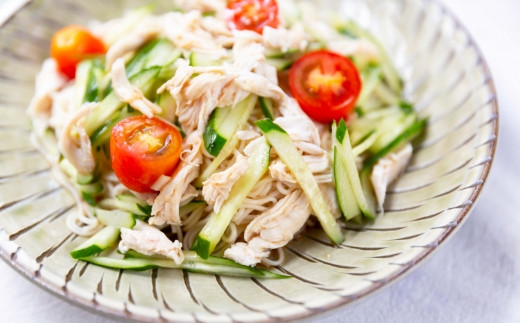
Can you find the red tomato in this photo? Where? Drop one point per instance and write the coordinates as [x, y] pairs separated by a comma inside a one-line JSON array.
[[142, 149], [252, 14], [325, 84], [71, 45]]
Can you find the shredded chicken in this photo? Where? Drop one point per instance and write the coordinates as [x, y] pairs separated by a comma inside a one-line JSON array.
[[150, 241], [186, 33], [285, 39], [217, 187], [48, 82], [74, 142], [165, 208], [388, 169], [215, 6], [272, 229], [130, 94]]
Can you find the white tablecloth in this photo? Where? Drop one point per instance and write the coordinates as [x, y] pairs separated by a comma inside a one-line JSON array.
[[474, 277]]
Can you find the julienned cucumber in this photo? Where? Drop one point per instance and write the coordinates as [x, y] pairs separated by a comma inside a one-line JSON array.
[[212, 232], [225, 122], [115, 218], [191, 263], [288, 153], [346, 199], [102, 240], [102, 134], [197, 59], [266, 105], [103, 112], [128, 203], [346, 156], [408, 134], [158, 52]]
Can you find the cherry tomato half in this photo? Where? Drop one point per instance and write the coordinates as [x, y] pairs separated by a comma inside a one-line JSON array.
[[252, 14], [71, 45], [142, 149], [325, 84]]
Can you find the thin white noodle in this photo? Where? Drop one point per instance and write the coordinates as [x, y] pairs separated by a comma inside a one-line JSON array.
[[274, 262], [231, 233]]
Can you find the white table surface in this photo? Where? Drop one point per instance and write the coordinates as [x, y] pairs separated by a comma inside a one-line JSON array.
[[474, 277]]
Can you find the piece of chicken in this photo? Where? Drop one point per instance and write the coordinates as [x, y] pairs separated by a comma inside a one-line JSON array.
[[186, 33], [283, 39], [48, 82], [130, 94], [165, 208], [217, 187], [272, 229], [213, 6], [388, 169], [150, 241], [74, 142]]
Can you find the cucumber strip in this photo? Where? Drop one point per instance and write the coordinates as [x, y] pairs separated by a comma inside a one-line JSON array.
[[168, 105], [288, 153], [102, 240], [102, 134], [390, 129], [83, 74], [346, 199], [126, 203], [225, 122], [387, 95], [227, 150], [192, 263], [92, 188], [347, 158], [212, 232], [158, 52], [144, 80], [370, 80], [84, 179], [280, 64], [190, 207], [368, 190], [115, 218], [365, 144], [407, 135], [267, 107], [197, 59]]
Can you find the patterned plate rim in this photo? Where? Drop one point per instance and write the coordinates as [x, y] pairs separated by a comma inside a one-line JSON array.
[[94, 306]]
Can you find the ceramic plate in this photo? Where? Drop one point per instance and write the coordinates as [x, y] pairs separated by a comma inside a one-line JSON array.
[[445, 77]]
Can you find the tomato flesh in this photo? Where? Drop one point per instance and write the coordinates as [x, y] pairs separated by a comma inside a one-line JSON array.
[[142, 149], [252, 14], [71, 45], [325, 84]]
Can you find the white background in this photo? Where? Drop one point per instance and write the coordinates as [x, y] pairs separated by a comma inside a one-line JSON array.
[[474, 277]]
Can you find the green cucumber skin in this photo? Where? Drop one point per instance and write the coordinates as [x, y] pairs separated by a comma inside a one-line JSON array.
[[213, 141], [225, 122], [212, 232], [115, 218], [407, 135], [104, 239], [192, 263], [281, 142], [267, 107], [346, 199], [344, 150], [267, 126], [102, 113]]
